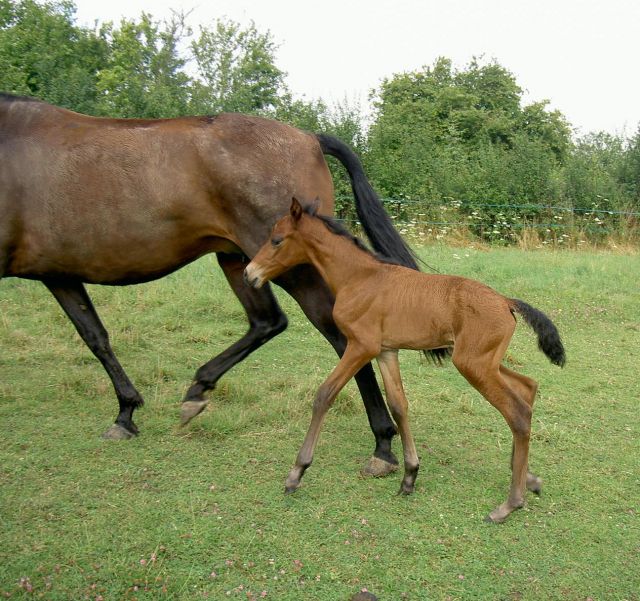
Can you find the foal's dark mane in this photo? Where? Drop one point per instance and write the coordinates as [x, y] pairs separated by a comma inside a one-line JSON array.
[[337, 227], [436, 355]]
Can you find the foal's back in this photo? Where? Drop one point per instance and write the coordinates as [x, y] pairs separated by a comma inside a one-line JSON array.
[[424, 311]]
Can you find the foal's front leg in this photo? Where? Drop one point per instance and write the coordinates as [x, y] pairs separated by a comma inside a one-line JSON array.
[[390, 370], [353, 359]]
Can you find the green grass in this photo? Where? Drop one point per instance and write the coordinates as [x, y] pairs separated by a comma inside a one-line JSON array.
[[200, 512]]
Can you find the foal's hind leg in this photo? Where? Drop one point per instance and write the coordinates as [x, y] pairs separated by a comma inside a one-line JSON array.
[[527, 389], [75, 301], [266, 320], [482, 372], [315, 299]]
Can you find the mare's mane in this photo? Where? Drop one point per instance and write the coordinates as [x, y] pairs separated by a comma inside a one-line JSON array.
[[6, 97]]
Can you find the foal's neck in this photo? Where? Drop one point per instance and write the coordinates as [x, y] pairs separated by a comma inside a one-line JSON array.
[[338, 259]]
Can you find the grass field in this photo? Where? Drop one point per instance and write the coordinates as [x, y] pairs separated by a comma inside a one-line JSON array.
[[200, 512]]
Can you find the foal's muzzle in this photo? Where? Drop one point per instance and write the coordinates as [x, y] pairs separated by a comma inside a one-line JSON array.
[[252, 276]]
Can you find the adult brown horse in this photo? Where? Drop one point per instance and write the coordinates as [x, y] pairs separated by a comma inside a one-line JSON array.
[[123, 201], [382, 307]]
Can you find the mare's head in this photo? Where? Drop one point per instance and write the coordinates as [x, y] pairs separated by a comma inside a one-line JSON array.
[[284, 249]]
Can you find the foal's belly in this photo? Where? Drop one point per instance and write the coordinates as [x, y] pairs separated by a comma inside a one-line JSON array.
[[416, 332]]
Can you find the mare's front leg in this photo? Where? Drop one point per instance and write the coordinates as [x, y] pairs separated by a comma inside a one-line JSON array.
[[75, 302], [314, 297], [354, 357], [266, 320]]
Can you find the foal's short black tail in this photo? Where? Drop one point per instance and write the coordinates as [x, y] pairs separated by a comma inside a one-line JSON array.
[[548, 336], [376, 223]]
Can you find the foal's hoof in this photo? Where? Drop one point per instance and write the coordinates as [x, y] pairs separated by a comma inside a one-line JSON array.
[[378, 468], [290, 488], [502, 512], [118, 432], [406, 489], [534, 484], [190, 409]]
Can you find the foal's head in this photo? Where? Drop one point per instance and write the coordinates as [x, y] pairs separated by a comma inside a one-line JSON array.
[[284, 249]]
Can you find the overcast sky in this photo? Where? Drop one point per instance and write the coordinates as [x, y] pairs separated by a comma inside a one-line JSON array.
[[582, 55]]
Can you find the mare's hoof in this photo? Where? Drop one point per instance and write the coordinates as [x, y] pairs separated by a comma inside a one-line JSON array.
[[364, 596], [290, 489], [190, 409], [378, 468], [118, 432]]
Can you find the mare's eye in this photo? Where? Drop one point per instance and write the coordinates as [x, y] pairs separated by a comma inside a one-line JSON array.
[[276, 241]]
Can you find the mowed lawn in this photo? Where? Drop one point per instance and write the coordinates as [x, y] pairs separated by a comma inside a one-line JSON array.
[[200, 512]]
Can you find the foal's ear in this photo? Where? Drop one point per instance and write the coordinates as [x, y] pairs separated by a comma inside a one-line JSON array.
[[296, 209]]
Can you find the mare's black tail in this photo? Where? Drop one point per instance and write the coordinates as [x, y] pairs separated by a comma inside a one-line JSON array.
[[548, 336], [376, 223]]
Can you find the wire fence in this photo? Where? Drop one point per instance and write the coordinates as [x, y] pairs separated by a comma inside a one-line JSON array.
[[504, 223]]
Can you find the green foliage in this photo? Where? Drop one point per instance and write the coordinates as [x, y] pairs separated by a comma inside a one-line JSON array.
[[464, 136], [143, 75], [591, 172], [43, 54], [237, 70], [629, 174]]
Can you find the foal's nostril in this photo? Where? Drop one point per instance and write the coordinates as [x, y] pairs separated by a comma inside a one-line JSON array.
[[250, 280]]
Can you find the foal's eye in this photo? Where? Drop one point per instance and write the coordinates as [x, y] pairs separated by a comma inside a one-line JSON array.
[[276, 241]]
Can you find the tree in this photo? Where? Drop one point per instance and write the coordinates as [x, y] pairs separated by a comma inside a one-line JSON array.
[[630, 171], [45, 55], [591, 174], [144, 74], [236, 69], [442, 132]]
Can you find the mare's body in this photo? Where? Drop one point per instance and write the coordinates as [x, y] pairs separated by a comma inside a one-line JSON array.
[[381, 307], [122, 201]]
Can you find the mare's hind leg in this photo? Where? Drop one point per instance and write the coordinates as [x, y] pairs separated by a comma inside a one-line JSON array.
[[482, 371], [315, 299], [266, 320], [527, 389], [75, 301], [390, 370]]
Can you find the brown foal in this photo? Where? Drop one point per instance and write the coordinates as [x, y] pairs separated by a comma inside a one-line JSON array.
[[382, 307]]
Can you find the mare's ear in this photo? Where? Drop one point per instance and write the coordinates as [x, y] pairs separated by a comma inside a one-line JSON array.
[[296, 209]]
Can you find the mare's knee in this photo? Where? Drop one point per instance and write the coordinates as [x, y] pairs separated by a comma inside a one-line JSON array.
[[266, 329]]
